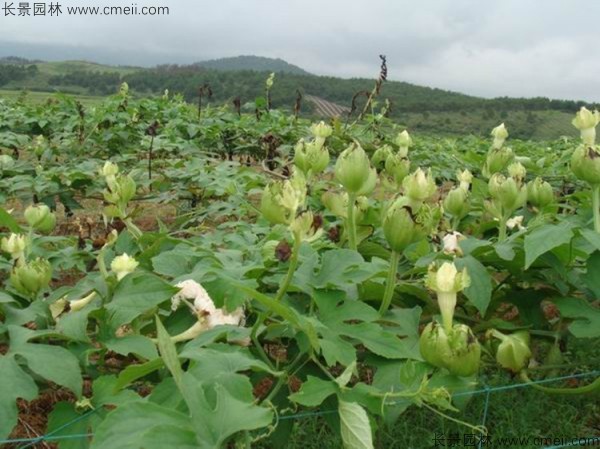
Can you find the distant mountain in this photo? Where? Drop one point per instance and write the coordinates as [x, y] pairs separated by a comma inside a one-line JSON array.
[[254, 63]]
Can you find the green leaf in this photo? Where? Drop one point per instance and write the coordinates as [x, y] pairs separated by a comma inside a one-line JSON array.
[[314, 391], [355, 426], [592, 275], [145, 425], [51, 362], [6, 220], [377, 340], [135, 372], [479, 292], [586, 322], [15, 384], [546, 238], [222, 358], [133, 344], [168, 353], [217, 414], [66, 421], [137, 294]]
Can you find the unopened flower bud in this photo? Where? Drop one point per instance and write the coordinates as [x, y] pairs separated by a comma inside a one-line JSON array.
[[456, 350], [397, 167], [31, 277], [380, 156], [456, 202], [40, 218], [585, 164], [311, 157], [270, 80], [513, 352], [123, 265], [586, 121], [539, 193], [465, 178], [517, 171], [499, 133], [14, 245], [109, 169], [399, 227], [420, 185], [321, 130], [404, 141], [353, 170]]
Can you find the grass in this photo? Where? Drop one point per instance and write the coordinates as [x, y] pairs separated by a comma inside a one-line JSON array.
[[517, 413]]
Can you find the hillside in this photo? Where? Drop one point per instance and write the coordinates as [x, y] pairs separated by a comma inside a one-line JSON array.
[[254, 63], [420, 108]]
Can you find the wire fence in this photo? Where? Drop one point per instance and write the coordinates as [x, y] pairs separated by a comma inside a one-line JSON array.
[[487, 391]]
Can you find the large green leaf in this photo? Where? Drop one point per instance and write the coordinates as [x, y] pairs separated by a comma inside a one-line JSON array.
[[217, 414], [355, 426], [137, 294], [586, 318], [314, 391], [545, 238], [168, 352], [145, 425], [15, 384], [479, 292], [51, 362]]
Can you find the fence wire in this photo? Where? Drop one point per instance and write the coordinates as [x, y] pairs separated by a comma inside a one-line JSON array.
[[53, 437]]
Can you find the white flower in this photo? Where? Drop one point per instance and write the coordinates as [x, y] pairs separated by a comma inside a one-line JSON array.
[[499, 133], [451, 241], [14, 245], [123, 265], [204, 306], [109, 169], [517, 222], [464, 178]]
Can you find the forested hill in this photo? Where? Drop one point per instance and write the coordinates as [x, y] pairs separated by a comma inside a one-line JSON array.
[[255, 63]]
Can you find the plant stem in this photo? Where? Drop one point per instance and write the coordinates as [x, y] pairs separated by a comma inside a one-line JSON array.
[[390, 283], [350, 223], [291, 269], [589, 388], [502, 229], [596, 206]]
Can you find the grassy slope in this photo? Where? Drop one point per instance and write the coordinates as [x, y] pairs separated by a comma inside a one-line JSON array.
[[40, 97]]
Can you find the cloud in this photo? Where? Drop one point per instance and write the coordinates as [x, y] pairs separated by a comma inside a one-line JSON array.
[[512, 47]]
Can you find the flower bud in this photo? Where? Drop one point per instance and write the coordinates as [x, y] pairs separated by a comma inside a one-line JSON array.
[[6, 162], [507, 191], [15, 245], [499, 133], [380, 157], [124, 89], [399, 227], [456, 202], [404, 141], [515, 222], [456, 350], [311, 157], [336, 203], [586, 121], [539, 193], [464, 178], [282, 199], [31, 277], [419, 186], [451, 243], [447, 281], [40, 218], [353, 170], [321, 130], [38, 146], [302, 224], [109, 169], [270, 80], [397, 167], [513, 352], [517, 171], [585, 164], [497, 160], [123, 265]]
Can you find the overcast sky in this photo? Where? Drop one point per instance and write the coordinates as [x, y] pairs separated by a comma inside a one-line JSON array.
[[487, 48]]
